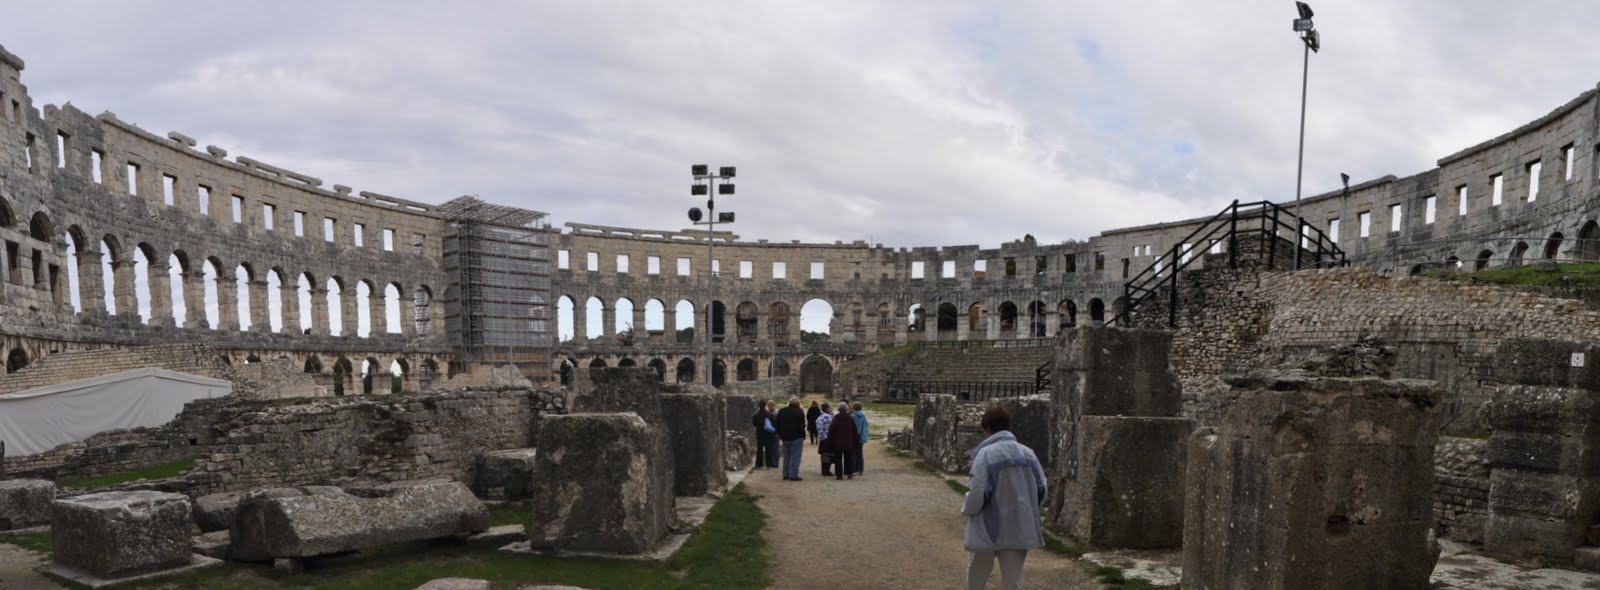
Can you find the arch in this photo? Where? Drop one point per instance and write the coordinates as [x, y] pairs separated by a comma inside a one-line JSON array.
[[745, 370], [1008, 317], [1483, 259], [885, 325], [142, 255], [422, 310], [683, 321], [816, 375], [1036, 319], [1415, 270], [40, 228], [946, 321], [178, 272], [778, 367], [391, 309], [335, 298], [1552, 246], [564, 318], [110, 256], [623, 316], [778, 322], [685, 371], [597, 363], [341, 375], [243, 277], [364, 308], [17, 360], [744, 322], [1067, 314], [719, 372], [655, 316], [565, 371], [1097, 311], [1517, 252], [369, 372], [210, 271], [594, 311], [275, 299], [313, 364], [1589, 242], [626, 362], [719, 326], [1452, 263], [916, 318], [252, 359], [398, 371], [975, 321], [816, 321], [302, 293], [74, 242], [660, 367]]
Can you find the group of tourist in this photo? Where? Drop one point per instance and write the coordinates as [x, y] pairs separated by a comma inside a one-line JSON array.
[[839, 437]]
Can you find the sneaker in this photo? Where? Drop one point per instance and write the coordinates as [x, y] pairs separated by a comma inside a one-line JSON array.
[[797, 478]]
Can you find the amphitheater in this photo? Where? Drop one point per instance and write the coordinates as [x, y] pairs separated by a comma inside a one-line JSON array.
[[128, 249]]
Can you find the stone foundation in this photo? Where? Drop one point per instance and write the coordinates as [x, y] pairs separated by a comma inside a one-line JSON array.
[[116, 534]]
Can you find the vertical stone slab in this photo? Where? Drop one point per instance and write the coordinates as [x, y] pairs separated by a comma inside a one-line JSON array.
[[1314, 483], [696, 437], [600, 491], [117, 534], [25, 503], [1544, 482]]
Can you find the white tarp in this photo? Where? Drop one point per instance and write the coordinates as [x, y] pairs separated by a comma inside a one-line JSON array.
[[41, 419]]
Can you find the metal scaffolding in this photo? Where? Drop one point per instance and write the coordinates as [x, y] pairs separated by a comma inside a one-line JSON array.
[[498, 310]]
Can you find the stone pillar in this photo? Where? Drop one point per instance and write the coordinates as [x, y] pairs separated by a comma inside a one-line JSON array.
[[194, 299], [763, 320], [1052, 323], [901, 335], [122, 273], [580, 322], [701, 331], [963, 331], [91, 282], [289, 294], [227, 303], [991, 316], [260, 316], [347, 316], [160, 294], [1316, 483], [580, 508], [408, 316], [319, 311], [608, 321], [114, 534], [640, 334]]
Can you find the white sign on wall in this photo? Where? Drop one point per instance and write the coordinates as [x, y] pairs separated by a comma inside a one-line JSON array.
[[1577, 359]]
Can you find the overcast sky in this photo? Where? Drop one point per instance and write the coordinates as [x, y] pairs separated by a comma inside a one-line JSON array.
[[912, 123]]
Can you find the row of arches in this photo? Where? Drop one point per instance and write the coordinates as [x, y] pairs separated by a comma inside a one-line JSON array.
[[372, 374], [816, 371], [1586, 248], [628, 322]]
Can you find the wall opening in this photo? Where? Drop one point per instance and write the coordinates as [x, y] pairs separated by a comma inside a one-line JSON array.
[[816, 375], [947, 318], [816, 322]]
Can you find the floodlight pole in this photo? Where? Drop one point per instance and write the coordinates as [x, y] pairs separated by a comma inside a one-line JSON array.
[[703, 173], [1300, 166]]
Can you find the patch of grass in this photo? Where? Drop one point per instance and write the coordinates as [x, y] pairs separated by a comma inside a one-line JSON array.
[[923, 465], [1569, 275], [509, 513], [907, 411], [1113, 577], [1059, 546], [959, 487], [31, 541], [899, 453], [728, 552], [162, 471]]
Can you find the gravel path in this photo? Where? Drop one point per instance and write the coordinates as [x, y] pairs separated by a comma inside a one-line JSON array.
[[894, 527], [16, 570]]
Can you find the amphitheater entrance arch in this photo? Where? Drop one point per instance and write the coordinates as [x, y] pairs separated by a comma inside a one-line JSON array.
[[1483, 260], [947, 319], [779, 367], [1517, 252], [1068, 314], [655, 319], [1097, 311], [816, 375], [313, 364], [683, 321], [1589, 242], [1552, 246], [719, 373], [369, 375], [342, 371], [564, 373], [746, 370], [1008, 317], [660, 367], [17, 360], [975, 321], [685, 373], [597, 363], [626, 362]]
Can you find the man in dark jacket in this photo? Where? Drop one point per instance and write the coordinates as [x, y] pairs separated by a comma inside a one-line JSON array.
[[766, 441], [811, 421], [842, 437], [791, 424]]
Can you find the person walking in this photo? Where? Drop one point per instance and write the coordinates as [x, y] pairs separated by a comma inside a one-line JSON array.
[[766, 436], [791, 425], [861, 428], [811, 421], [823, 450], [841, 440], [1002, 508]]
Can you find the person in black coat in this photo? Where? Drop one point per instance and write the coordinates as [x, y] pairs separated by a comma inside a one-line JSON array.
[[811, 421], [766, 442], [791, 424]]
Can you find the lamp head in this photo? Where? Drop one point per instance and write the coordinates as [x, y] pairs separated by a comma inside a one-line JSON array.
[[695, 215], [697, 189], [699, 169], [1345, 178], [726, 171], [725, 189], [1305, 10]]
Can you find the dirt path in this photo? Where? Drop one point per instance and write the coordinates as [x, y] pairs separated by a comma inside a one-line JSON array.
[[895, 527], [16, 570]]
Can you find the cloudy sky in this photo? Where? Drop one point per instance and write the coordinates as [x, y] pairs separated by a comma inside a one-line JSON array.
[[909, 123]]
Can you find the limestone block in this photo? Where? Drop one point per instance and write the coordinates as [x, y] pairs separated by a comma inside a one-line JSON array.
[[1127, 490], [1547, 363], [117, 534], [1114, 372], [25, 503], [740, 450], [214, 512], [634, 389], [505, 474], [600, 489], [1032, 424], [306, 522], [455, 584], [1316, 483], [696, 436], [737, 411]]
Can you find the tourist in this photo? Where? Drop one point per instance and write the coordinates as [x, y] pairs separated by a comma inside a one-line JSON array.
[[1002, 508], [791, 425], [811, 421], [766, 436], [841, 440], [824, 419], [861, 426]]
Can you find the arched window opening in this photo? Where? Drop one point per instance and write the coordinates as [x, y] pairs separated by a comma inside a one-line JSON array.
[[177, 278], [209, 273], [74, 250], [1517, 252], [369, 374], [816, 322], [745, 322], [1552, 246], [141, 283], [363, 309], [242, 277], [302, 292], [335, 307], [1036, 319], [398, 370], [746, 370], [660, 367], [391, 309], [718, 318], [110, 253], [626, 362], [947, 317], [564, 319], [1097, 311], [1589, 242], [683, 321], [1483, 260], [275, 300], [17, 360], [597, 363], [778, 367], [343, 373], [1067, 314], [1008, 317], [885, 325], [916, 318], [565, 371], [623, 320], [594, 312], [719, 373], [975, 323], [778, 323], [313, 364], [685, 373]]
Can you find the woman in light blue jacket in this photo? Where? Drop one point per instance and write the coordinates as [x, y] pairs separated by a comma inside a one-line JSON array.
[[1002, 508]]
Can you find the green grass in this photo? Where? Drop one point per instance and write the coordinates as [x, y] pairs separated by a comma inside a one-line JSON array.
[[1059, 546], [509, 513], [923, 465], [959, 487], [1113, 577], [1569, 275], [162, 471], [728, 552], [32, 541], [907, 411]]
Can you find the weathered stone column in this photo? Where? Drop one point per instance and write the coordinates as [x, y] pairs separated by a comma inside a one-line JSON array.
[[122, 272], [160, 294], [227, 303], [348, 320], [702, 332], [963, 329], [91, 283], [408, 316], [991, 318], [289, 294], [1052, 323], [608, 321], [194, 299], [580, 322], [1316, 483], [640, 332], [260, 316], [319, 311], [763, 320]]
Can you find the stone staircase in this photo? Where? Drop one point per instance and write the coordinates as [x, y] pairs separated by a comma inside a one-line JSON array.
[[70, 366]]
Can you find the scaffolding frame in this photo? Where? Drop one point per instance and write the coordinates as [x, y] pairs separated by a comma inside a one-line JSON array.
[[499, 311]]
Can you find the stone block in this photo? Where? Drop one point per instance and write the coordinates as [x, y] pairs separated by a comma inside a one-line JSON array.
[[455, 584], [1323, 483], [1547, 363], [1586, 559], [1532, 408], [279, 523], [1127, 490], [632, 389], [25, 503], [1031, 423], [739, 450], [695, 434], [214, 512], [505, 474], [737, 410], [117, 534], [1115, 372], [1531, 541], [600, 485]]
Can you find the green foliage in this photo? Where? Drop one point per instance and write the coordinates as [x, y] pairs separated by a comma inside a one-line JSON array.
[[1113, 578], [31, 541], [907, 411], [1055, 544], [686, 334], [509, 513], [1581, 275], [813, 337], [162, 471], [959, 487]]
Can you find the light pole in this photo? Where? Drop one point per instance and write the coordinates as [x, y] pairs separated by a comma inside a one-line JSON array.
[[703, 181], [1313, 42]]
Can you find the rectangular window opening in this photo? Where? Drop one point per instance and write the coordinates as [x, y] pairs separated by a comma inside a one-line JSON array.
[[1364, 218], [61, 149], [97, 159], [1069, 263], [563, 260], [652, 265], [780, 270], [980, 268], [1461, 200], [299, 224], [916, 269], [816, 271], [747, 269], [330, 228], [1011, 267], [1497, 189], [269, 216], [1040, 264], [683, 267], [358, 234], [1569, 153], [1533, 169], [947, 270], [716, 267], [1430, 206], [1099, 260], [238, 209], [388, 240], [1333, 230], [203, 195], [416, 243], [29, 154], [133, 178], [591, 261], [169, 189], [1394, 218], [622, 263]]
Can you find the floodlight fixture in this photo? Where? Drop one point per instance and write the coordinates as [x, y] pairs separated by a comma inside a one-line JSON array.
[[697, 189], [1313, 40], [1305, 10], [694, 214], [725, 217], [1302, 24], [725, 189], [1345, 178], [726, 171], [699, 170], [703, 181]]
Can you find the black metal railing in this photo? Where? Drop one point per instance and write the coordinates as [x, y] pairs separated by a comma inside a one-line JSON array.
[[970, 344], [963, 390], [1042, 376], [1233, 228]]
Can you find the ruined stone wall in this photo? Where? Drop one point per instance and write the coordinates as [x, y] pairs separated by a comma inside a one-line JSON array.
[[1460, 488], [118, 451]]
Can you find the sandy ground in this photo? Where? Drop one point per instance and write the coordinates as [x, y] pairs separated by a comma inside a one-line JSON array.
[[894, 527], [16, 570]]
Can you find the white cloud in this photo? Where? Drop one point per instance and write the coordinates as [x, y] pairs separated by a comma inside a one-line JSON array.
[[946, 123]]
